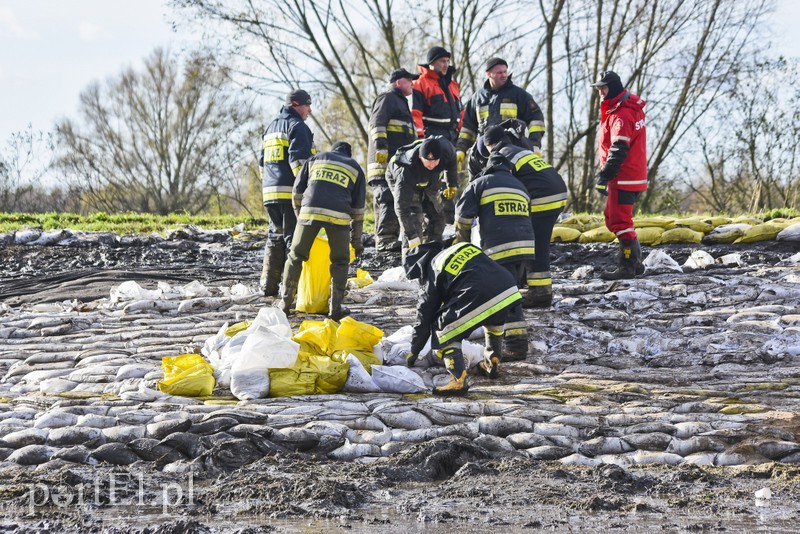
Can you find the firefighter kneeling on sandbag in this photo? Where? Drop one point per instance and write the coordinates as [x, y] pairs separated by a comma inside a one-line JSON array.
[[461, 289]]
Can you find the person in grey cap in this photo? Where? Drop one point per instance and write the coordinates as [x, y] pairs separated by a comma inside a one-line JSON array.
[[499, 100], [287, 144], [437, 98], [390, 127]]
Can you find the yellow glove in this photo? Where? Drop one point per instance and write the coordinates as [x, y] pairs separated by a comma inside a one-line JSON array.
[[449, 193], [381, 156], [413, 243], [460, 157]]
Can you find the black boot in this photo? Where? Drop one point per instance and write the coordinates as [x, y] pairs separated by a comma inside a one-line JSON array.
[[492, 354], [454, 363], [637, 253], [626, 269], [336, 310], [287, 297], [515, 347], [538, 297], [272, 269]]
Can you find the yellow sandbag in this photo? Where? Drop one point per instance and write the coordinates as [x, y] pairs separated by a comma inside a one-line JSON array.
[[649, 235], [598, 235], [681, 235], [238, 327], [310, 375], [717, 220], [188, 375], [314, 286], [752, 221], [362, 279], [662, 222], [726, 233], [697, 224], [317, 337], [761, 232], [591, 225], [563, 234], [358, 339]]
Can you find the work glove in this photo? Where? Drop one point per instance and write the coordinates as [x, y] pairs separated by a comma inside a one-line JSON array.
[[356, 241], [381, 156], [358, 247], [460, 158], [414, 243], [601, 186], [449, 193], [411, 359]]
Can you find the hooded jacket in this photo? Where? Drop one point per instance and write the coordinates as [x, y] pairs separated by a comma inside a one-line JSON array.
[[390, 127], [287, 144], [492, 106], [622, 143], [436, 105], [460, 289], [502, 206]]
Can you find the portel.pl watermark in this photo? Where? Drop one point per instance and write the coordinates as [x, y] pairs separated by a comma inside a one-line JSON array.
[[114, 489]]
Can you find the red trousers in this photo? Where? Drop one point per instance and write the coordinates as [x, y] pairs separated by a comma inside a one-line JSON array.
[[619, 212]]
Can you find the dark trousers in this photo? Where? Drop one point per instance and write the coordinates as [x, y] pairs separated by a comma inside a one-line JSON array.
[[387, 227], [543, 223], [304, 235]]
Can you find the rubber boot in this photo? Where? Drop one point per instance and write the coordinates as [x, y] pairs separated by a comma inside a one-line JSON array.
[[637, 253], [626, 269], [515, 347], [538, 297], [272, 269], [492, 354], [454, 363], [336, 310], [287, 297]]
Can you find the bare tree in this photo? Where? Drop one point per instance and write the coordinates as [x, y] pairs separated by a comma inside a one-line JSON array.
[[161, 139], [24, 164]]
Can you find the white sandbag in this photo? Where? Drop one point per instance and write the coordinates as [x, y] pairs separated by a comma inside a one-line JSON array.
[[397, 379], [659, 261], [393, 279], [195, 289], [274, 320], [401, 335], [130, 290], [268, 348], [214, 344], [358, 379], [473, 353], [396, 354], [395, 274], [700, 259], [790, 233], [250, 383]]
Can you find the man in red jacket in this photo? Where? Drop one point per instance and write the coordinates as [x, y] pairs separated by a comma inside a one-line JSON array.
[[622, 146], [436, 105]]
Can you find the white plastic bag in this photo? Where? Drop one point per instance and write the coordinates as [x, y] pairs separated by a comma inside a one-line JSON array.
[[358, 379], [473, 353], [397, 379], [131, 290]]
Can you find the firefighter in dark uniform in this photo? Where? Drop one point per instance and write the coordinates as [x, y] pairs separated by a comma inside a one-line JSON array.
[[548, 194], [499, 100], [287, 144], [390, 127], [501, 204], [414, 174], [460, 290], [329, 193]]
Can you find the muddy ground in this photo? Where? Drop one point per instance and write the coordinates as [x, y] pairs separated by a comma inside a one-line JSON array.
[[450, 483]]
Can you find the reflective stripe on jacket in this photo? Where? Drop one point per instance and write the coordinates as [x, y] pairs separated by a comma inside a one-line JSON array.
[[330, 189], [390, 127], [544, 184], [461, 288], [622, 119], [286, 145], [436, 105], [502, 206], [489, 107]]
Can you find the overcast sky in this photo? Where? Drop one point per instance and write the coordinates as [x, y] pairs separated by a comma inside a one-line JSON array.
[[50, 50]]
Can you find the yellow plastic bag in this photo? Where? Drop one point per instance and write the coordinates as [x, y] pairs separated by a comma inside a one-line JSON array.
[[238, 327], [314, 286], [362, 279], [662, 222], [187, 375], [358, 339], [317, 337], [310, 375], [698, 224]]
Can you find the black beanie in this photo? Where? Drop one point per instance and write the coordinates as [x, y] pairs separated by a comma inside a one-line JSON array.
[[430, 149], [611, 80], [494, 134], [436, 52], [495, 61], [342, 147]]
